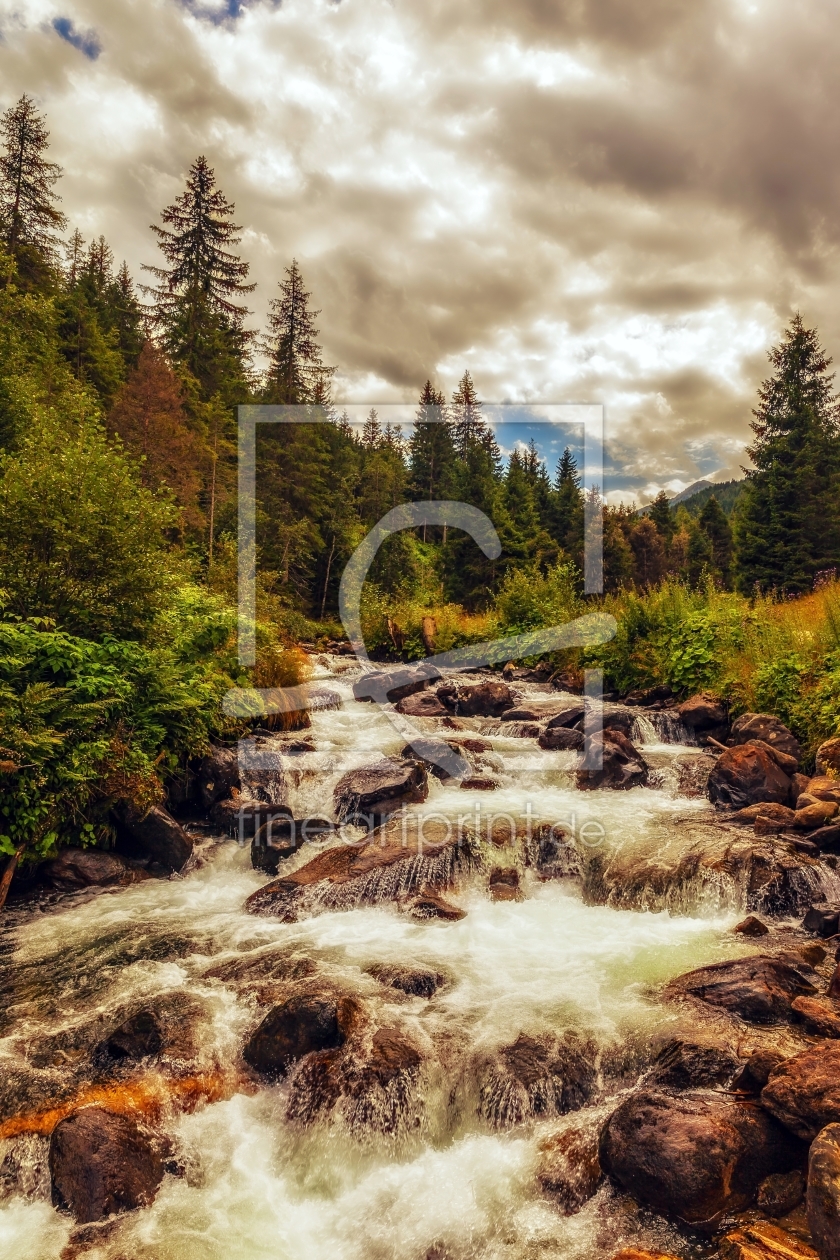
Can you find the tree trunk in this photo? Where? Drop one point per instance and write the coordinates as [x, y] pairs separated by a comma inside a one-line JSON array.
[[212, 501], [327, 578], [6, 878]]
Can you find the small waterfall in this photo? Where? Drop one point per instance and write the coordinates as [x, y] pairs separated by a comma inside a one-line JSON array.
[[668, 729], [262, 772], [643, 731]]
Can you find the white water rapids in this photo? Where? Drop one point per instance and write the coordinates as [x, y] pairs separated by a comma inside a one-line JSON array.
[[257, 1187]]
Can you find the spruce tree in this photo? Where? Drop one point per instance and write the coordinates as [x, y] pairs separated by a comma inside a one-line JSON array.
[[567, 522], [372, 431], [648, 553], [468, 427], [296, 371], [662, 516], [788, 520], [195, 305], [29, 216], [714, 524]]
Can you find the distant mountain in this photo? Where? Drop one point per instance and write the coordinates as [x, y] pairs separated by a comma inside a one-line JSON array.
[[694, 498], [695, 488]]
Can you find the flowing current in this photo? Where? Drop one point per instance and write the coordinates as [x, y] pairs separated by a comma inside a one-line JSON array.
[[254, 1185]]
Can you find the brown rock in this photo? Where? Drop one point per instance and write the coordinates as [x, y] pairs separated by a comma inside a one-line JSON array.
[[366, 796], [503, 884], [703, 711], [568, 716], [760, 1240], [477, 784], [298, 1027], [489, 699], [769, 729], [756, 1071], [696, 1155], [746, 775], [764, 809], [402, 858], [782, 759], [102, 1163], [824, 1192], [561, 739], [569, 1170], [828, 758], [394, 684], [86, 868], [537, 1076], [812, 953], [820, 1016], [751, 926], [813, 816], [154, 835], [413, 981], [430, 905], [804, 1092], [621, 764], [827, 839], [781, 1193], [764, 826], [424, 704], [799, 783], [686, 1065], [218, 776], [760, 989], [823, 788]]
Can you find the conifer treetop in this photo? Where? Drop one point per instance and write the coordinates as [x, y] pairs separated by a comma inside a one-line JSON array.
[[29, 215]]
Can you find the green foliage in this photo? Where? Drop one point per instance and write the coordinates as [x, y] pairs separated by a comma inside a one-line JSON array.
[[530, 600], [81, 541]]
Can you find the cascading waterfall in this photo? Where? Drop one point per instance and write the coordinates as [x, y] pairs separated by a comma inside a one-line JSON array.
[[433, 1145]]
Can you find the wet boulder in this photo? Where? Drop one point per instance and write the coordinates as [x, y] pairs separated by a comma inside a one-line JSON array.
[[703, 712], [821, 1016], [823, 1202], [822, 920], [407, 856], [695, 1155], [413, 981], [761, 1240], [503, 884], [300, 1026], [569, 715], [561, 739], [803, 1093], [755, 1073], [768, 729], [537, 1076], [155, 836], [759, 990], [686, 1065], [490, 699], [444, 760], [814, 815], [393, 685], [218, 776], [137, 1037], [280, 836], [610, 761], [430, 905], [751, 926], [366, 796], [424, 704], [569, 1170], [782, 814], [780, 1193], [618, 718], [746, 775], [693, 770], [102, 1163], [87, 868]]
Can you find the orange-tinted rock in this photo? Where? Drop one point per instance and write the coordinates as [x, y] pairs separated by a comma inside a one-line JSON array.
[[569, 1170], [102, 1163], [824, 1192], [746, 775], [804, 1091]]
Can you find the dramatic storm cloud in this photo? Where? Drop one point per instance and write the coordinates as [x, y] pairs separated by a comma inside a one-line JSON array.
[[593, 200]]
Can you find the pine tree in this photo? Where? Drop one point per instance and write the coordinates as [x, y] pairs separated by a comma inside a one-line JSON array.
[[648, 553], [29, 216], [372, 432], [567, 521], [74, 258], [699, 554], [788, 520], [468, 427], [296, 370], [194, 300], [714, 524], [662, 516], [126, 316]]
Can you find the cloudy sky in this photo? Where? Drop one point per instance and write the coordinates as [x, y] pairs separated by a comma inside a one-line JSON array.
[[615, 201]]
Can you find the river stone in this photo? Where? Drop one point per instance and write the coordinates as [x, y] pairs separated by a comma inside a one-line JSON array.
[[568, 716], [746, 775], [782, 759], [759, 1240], [781, 1193], [373, 792], [684, 1065], [751, 926], [766, 809], [86, 868], [218, 776], [406, 856], [154, 835], [823, 1202], [561, 739], [102, 1163], [413, 981], [297, 1027], [536, 1077], [424, 704], [569, 1170], [702, 712], [694, 1156], [431, 750], [622, 766], [430, 905], [394, 684], [489, 699], [819, 1015], [822, 920], [769, 729], [804, 1092], [755, 1073], [758, 989], [813, 816], [138, 1036]]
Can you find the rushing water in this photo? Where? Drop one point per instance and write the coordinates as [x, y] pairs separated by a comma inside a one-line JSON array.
[[255, 1185]]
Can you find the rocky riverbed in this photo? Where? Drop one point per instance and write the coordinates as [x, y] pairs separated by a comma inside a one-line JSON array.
[[537, 998]]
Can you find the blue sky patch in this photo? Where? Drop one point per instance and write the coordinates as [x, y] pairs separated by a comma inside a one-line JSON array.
[[87, 42], [219, 11]]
